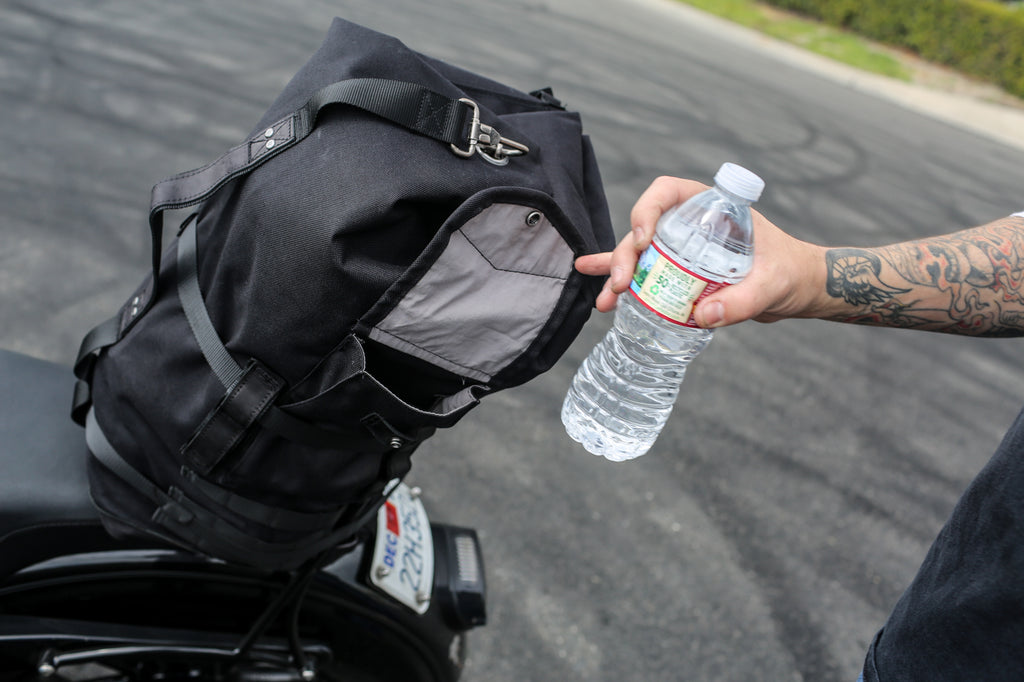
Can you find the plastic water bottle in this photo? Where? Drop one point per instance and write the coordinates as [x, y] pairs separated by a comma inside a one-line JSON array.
[[624, 391]]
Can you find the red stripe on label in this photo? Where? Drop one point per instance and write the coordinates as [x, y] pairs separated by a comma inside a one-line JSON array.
[[392, 515], [682, 267], [712, 287]]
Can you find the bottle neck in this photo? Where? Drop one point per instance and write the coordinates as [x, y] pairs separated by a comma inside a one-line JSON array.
[[732, 196]]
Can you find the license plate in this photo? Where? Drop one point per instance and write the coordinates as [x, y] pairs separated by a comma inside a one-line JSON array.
[[403, 555]]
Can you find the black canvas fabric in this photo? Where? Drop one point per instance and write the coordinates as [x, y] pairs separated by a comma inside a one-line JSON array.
[[962, 618], [368, 284]]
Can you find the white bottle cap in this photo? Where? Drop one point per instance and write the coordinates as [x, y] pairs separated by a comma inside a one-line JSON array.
[[739, 181]]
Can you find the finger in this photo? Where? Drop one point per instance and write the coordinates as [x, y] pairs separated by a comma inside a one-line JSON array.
[[662, 194], [731, 305], [600, 264], [622, 264], [595, 264], [606, 300], [723, 310]]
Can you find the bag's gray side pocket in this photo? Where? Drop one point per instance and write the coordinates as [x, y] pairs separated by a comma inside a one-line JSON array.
[[487, 296]]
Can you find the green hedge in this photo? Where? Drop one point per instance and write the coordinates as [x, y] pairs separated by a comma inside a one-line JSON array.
[[982, 38]]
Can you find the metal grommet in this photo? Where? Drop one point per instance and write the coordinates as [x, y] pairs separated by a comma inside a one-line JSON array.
[[533, 218], [269, 132], [270, 144]]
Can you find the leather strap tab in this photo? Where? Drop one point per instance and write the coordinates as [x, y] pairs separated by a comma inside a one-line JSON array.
[[232, 419]]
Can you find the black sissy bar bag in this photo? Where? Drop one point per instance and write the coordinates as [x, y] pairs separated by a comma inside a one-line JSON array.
[[360, 271]]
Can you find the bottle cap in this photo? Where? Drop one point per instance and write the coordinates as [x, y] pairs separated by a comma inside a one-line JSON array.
[[739, 181]]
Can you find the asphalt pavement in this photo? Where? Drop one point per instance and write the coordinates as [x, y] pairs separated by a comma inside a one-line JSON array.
[[807, 466]]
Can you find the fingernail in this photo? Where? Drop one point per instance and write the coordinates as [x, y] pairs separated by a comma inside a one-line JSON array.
[[638, 236], [617, 274], [714, 314]]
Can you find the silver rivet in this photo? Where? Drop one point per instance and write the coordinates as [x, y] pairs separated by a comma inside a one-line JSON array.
[[395, 443], [270, 144], [533, 218], [269, 132], [383, 572], [422, 597], [415, 492]]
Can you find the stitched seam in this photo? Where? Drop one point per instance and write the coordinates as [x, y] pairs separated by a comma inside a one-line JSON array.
[[429, 112], [515, 272], [268, 395]]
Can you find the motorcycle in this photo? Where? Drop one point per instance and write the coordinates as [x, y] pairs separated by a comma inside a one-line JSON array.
[[78, 604]]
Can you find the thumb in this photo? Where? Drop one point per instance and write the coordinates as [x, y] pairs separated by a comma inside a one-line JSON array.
[[728, 306]]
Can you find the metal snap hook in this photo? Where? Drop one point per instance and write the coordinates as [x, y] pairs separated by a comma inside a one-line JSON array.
[[487, 141]]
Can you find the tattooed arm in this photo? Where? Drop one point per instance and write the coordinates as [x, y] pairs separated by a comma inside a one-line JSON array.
[[970, 282]]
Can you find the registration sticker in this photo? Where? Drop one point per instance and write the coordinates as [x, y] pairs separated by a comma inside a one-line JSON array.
[[403, 555]]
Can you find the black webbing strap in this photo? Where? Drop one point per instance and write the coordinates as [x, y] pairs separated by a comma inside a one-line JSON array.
[[265, 515], [249, 391], [407, 104], [102, 450], [211, 534], [230, 373], [102, 335]]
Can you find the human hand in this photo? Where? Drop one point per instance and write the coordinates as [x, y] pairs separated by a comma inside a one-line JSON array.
[[787, 278]]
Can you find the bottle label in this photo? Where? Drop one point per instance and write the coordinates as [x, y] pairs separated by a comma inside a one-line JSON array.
[[667, 288]]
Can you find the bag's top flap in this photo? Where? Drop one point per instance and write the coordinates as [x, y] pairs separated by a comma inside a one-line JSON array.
[[317, 234]]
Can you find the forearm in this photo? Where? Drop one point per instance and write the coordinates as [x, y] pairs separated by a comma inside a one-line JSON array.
[[970, 282]]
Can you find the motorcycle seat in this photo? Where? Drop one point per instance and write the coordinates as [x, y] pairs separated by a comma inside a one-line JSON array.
[[45, 508]]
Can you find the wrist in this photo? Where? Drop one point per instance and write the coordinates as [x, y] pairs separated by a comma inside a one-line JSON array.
[[838, 267], [819, 303]]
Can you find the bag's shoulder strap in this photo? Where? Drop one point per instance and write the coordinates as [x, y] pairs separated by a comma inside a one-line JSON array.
[[448, 120], [406, 104]]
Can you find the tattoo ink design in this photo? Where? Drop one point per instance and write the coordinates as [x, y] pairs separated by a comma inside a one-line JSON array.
[[853, 276], [971, 282]]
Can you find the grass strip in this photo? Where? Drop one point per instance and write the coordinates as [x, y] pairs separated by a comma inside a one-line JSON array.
[[833, 43]]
